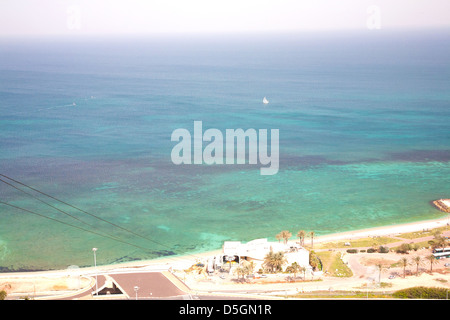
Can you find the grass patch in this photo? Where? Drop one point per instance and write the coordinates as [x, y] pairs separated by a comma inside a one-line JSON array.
[[420, 234], [332, 263], [358, 243], [342, 295], [422, 293], [441, 280], [414, 235]]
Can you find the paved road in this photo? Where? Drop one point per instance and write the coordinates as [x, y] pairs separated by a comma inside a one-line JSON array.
[[152, 285], [164, 285], [86, 293]]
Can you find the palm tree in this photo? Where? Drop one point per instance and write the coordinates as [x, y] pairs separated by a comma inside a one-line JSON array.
[[418, 261], [274, 261], [279, 260], [442, 241], [311, 235], [241, 271], [301, 237], [380, 269], [294, 268], [439, 240], [285, 234], [303, 269], [404, 263], [269, 260], [432, 260], [251, 267], [279, 237]]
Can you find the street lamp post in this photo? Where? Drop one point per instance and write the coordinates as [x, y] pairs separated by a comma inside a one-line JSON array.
[[367, 290], [136, 288], [95, 265]]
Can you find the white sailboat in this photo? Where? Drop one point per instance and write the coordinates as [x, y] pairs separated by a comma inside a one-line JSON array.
[[265, 101]]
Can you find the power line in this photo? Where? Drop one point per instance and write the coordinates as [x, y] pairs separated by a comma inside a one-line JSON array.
[[68, 214], [34, 197], [71, 225], [76, 208], [81, 210]]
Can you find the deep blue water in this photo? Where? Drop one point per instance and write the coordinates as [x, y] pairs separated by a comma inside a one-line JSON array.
[[364, 138]]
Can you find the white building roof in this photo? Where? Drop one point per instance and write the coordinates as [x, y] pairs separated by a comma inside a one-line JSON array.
[[257, 249]]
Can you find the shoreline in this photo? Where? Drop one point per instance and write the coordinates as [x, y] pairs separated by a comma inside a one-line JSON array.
[[187, 260], [345, 235], [390, 230]]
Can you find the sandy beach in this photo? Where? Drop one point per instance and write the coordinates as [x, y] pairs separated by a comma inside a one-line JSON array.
[[68, 280], [350, 235], [183, 261], [386, 230]]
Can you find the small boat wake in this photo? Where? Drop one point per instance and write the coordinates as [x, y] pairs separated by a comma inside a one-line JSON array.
[[73, 104]]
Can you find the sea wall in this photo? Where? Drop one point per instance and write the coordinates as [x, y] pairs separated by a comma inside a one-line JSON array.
[[442, 204]]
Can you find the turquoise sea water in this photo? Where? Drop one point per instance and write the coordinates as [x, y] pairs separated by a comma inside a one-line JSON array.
[[364, 139]]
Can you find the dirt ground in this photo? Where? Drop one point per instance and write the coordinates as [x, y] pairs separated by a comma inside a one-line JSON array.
[[38, 285]]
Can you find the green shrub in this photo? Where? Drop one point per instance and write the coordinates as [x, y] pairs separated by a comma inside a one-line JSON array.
[[371, 250], [421, 293], [404, 248], [3, 295], [383, 249], [352, 250], [314, 261]]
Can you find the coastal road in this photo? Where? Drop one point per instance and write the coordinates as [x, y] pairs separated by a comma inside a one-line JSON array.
[[151, 285]]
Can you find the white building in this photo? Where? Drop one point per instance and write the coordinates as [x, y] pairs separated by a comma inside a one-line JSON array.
[[256, 250]]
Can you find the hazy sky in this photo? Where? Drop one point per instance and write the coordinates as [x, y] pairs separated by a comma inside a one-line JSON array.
[[22, 17]]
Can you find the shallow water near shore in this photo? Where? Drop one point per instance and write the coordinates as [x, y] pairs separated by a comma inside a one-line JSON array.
[[364, 141]]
